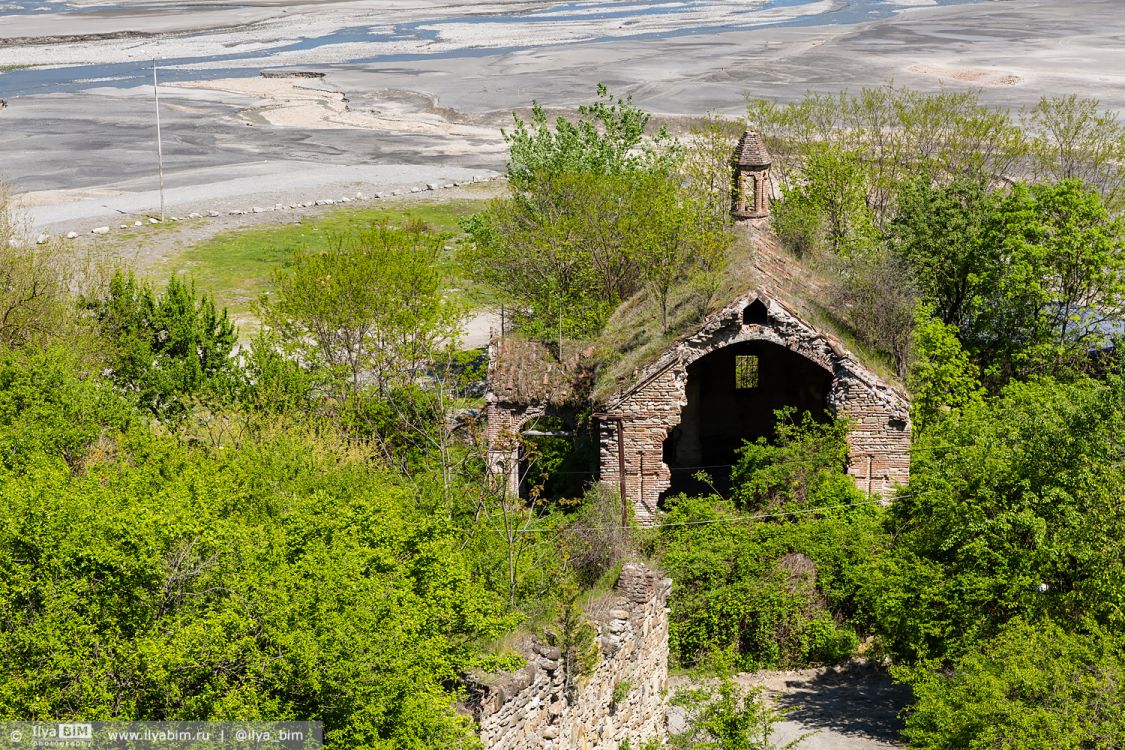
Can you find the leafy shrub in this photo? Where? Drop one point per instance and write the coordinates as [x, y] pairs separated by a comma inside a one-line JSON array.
[[1032, 687], [729, 718], [737, 593], [1013, 509], [282, 580]]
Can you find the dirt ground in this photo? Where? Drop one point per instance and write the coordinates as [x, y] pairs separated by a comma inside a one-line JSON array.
[[852, 707]]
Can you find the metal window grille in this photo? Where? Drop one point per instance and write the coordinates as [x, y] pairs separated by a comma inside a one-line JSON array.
[[746, 372]]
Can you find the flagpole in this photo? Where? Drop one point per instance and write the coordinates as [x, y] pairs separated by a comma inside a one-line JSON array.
[[159, 144]]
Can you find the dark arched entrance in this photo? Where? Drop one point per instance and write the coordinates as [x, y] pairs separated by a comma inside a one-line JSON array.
[[732, 394]]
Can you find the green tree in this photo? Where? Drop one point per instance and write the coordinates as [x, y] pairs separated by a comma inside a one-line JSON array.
[[942, 377], [827, 209], [607, 138], [938, 232], [1013, 510], [730, 718], [598, 210], [35, 302], [369, 311], [1058, 287], [285, 579], [678, 237], [575, 246], [563, 254], [167, 348], [899, 132], [1075, 139], [803, 465], [49, 405]]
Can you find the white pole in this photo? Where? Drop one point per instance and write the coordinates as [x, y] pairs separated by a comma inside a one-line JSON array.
[[159, 145]]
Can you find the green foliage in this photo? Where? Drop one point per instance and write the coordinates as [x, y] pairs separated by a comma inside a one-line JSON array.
[[283, 580], [368, 311], [35, 302], [770, 593], [899, 133], [167, 349], [938, 231], [1034, 686], [575, 245], [680, 236], [942, 377], [1013, 510], [621, 690], [1057, 284], [1033, 278], [562, 255], [777, 592], [730, 718], [238, 266], [577, 641], [597, 214], [275, 383], [1075, 139], [801, 467], [48, 406], [606, 139], [827, 210]]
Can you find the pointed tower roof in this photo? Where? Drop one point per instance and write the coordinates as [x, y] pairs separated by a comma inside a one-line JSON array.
[[751, 150]]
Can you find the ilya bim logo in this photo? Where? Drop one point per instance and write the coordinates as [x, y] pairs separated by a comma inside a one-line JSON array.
[[35, 734]]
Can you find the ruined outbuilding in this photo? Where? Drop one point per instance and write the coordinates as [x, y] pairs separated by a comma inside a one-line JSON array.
[[690, 407]]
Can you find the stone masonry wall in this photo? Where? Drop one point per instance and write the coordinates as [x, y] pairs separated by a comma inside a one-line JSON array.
[[879, 455], [529, 709]]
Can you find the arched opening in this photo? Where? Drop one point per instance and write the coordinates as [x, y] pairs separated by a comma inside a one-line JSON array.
[[755, 314], [732, 394]]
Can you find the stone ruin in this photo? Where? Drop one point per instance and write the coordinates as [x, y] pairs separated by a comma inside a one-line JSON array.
[[622, 700], [719, 385]]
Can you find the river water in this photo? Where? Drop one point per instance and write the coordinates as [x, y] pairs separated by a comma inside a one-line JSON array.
[[593, 21]]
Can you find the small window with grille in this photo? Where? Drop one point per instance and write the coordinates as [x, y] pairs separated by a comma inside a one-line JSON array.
[[745, 372]]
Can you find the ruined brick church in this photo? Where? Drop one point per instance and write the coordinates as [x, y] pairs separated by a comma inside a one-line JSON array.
[[691, 406]]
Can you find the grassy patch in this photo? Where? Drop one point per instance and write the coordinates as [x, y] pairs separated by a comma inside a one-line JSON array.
[[236, 266]]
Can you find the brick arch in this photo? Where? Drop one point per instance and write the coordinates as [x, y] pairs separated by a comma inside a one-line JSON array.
[[505, 420]]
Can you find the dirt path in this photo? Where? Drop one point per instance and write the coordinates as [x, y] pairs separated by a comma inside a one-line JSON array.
[[853, 707]]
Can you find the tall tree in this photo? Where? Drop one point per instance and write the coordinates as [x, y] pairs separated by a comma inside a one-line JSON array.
[[1075, 139], [1057, 289]]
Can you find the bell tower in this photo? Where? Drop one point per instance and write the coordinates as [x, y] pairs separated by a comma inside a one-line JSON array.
[[751, 178]]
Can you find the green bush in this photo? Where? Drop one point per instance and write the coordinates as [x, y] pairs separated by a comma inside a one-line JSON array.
[[769, 594], [1032, 687], [285, 579], [1013, 509]]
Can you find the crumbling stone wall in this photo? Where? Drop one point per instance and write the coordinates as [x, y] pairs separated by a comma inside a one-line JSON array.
[[529, 710], [879, 455]]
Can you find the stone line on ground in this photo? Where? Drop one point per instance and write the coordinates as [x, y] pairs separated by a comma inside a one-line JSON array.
[[44, 237]]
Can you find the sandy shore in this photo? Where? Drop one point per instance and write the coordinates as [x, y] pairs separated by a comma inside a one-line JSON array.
[[88, 155]]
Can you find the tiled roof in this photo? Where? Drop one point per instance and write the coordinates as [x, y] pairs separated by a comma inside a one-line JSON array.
[[528, 372], [751, 150]]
